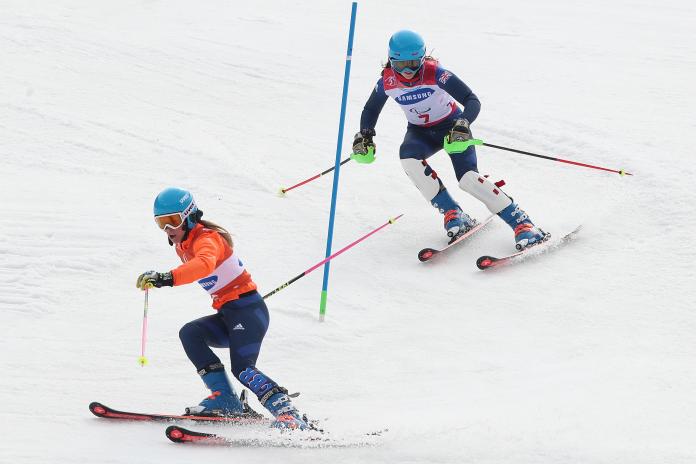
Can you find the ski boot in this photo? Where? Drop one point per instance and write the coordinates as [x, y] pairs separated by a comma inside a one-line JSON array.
[[223, 400], [287, 417], [526, 233], [456, 222]]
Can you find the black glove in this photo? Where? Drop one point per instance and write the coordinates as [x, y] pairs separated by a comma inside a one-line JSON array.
[[363, 141], [151, 279], [364, 148], [460, 131]]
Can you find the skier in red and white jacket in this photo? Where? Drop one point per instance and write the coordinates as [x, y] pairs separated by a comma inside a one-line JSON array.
[[430, 96]]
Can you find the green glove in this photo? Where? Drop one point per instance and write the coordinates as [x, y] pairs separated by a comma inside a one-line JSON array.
[[364, 148], [364, 158], [151, 279], [458, 140]]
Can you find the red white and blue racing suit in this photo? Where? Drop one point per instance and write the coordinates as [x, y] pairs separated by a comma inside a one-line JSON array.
[[431, 102]]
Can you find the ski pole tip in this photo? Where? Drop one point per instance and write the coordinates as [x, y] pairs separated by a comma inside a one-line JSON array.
[[281, 192], [393, 220], [142, 360], [624, 173]]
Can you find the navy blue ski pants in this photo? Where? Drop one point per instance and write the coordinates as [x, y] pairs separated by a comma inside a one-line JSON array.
[[239, 325], [422, 142]]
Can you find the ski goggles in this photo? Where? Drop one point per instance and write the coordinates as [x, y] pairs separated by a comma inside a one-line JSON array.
[[406, 65], [169, 221], [174, 220]]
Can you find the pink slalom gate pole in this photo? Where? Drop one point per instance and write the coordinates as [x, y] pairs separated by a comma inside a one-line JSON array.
[[142, 359], [326, 260]]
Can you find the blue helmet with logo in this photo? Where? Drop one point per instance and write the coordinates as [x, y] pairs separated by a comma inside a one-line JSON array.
[[172, 203], [406, 51]]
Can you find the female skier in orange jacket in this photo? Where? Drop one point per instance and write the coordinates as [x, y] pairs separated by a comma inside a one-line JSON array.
[[241, 319]]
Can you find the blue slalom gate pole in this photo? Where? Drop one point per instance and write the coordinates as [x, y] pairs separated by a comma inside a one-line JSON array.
[[337, 168]]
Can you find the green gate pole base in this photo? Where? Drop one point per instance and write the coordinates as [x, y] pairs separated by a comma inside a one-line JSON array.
[[322, 305]]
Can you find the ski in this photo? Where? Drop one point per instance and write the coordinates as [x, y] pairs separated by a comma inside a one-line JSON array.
[[272, 438], [181, 435], [106, 412], [426, 254], [488, 262]]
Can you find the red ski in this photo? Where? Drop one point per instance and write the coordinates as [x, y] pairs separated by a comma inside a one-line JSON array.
[[487, 262], [106, 412], [426, 254], [282, 439], [181, 435]]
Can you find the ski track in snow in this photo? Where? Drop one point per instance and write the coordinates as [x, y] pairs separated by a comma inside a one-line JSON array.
[[584, 355]]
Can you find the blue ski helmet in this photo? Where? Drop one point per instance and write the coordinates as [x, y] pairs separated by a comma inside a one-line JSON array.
[[406, 51], [175, 200]]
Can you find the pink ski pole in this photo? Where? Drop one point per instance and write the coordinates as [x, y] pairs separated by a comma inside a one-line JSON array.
[[142, 359], [320, 263]]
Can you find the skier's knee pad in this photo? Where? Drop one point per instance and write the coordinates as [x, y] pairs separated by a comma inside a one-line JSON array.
[[485, 191], [423, 177]]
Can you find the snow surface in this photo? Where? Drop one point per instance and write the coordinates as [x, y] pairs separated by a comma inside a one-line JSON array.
[[584, 356]]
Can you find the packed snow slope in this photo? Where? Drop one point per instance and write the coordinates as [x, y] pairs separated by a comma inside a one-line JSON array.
[[583, 356]]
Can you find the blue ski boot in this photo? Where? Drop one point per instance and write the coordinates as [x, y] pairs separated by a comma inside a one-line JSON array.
[[457, 222], [223, 400], [286, 414], [526, 233], [274, 398]]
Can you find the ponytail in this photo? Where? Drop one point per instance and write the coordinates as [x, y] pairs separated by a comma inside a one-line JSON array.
[[219, 229]]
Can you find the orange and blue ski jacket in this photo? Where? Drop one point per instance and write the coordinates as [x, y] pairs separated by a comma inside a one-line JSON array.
[[210, 260]]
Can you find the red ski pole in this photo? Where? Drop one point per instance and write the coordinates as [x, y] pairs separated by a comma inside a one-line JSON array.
[[560, 160], [284, 190]]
